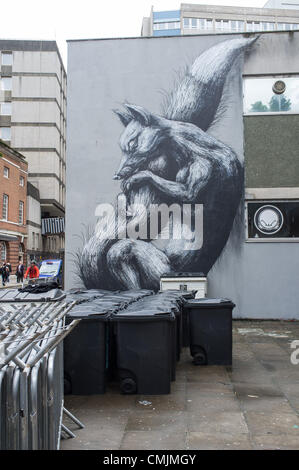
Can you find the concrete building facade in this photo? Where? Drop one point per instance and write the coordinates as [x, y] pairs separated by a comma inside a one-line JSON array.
[[33, 121], [13, 194], [213, 19]]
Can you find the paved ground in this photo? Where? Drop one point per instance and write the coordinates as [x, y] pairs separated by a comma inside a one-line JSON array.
[[253, 405], [11, 284]]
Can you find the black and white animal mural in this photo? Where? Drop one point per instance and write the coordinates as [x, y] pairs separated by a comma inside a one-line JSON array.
[[180, 187]]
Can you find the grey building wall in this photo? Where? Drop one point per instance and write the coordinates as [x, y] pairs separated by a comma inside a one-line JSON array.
[[262, 278]]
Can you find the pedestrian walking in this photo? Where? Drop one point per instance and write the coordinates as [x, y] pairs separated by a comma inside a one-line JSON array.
[[8, 265], [32, 271], [4, 273], [20, 272]]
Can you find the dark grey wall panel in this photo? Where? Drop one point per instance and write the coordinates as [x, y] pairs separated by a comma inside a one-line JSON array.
[[271, 151]]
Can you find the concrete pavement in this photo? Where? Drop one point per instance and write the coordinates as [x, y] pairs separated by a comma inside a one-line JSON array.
[[253, 405]]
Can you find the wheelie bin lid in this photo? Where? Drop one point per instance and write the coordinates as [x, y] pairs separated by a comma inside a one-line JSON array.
[[210, 303], [143, 315], [185, 294], [89, 311]]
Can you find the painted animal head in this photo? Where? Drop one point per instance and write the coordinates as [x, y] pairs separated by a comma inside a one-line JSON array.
[[141, 142]]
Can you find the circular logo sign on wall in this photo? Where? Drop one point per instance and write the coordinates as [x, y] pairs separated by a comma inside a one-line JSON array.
[[279, 87], [268, 219]]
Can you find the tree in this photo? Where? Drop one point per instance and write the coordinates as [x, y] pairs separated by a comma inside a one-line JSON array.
[[259, 107], [279, 103]]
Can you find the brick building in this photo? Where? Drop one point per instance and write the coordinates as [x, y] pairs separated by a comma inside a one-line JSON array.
[[13, 195]]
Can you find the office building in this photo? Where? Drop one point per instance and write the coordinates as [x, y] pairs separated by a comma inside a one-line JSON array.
[[213, 19], [33, 122]]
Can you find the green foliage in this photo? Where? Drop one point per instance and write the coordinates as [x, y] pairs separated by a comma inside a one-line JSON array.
[[279, 103], [276, 104], [259, 107]]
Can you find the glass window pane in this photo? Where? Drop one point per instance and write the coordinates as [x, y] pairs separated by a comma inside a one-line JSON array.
[[202, 23], [5, 133], [6, 58], [3, 251], [241, 25], [6, 83], [5, 207], [5, 109], [21, 212], [259, 96], [256, 26], [209, 24], [186, 22], [194, 23]]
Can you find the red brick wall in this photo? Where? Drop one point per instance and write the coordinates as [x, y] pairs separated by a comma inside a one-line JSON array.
[[16, 193]]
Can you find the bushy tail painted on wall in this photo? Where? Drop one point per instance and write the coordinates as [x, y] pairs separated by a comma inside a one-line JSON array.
[[170, 160]]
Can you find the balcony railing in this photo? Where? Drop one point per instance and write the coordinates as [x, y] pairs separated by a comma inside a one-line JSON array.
[[53, 225]]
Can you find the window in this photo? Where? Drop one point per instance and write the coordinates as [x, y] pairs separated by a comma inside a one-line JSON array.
[[233, 25], [6, 83], [241, 25], [256, 26], [3, 251], [21, 252], [21, 212], [202, 23], [209, 24], [276, 94], [5, 133], [6, 58], [5, 109], [6, 172], [5, 207], [272, 219], [218, 24], [249, 26], [169, 25], [197, 23], [22, 181]]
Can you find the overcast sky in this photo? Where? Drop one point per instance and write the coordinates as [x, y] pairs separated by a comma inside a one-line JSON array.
[[73, 19]]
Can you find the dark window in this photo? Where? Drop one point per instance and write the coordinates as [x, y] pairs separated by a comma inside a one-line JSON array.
[[273, 219]]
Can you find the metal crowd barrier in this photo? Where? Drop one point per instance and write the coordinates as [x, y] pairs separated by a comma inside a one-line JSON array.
[[31, 375]]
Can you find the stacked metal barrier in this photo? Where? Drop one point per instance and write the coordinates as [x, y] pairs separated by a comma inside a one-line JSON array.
[[31, 374]]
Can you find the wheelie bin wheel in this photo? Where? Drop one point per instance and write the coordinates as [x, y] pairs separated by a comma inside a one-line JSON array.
[[128, 386]]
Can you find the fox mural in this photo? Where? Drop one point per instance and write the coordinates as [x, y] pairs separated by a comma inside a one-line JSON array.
[[171, 159]]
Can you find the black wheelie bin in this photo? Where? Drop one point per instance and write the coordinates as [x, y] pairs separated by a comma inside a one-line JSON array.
[[210, 322], [144, 349], [86, 350]]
